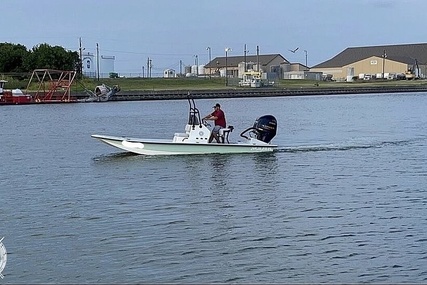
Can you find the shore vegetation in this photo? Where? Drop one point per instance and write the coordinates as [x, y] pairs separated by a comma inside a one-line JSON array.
[[158, 84]]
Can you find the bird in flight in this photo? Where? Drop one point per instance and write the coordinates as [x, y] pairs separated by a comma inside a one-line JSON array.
[[293, 51]]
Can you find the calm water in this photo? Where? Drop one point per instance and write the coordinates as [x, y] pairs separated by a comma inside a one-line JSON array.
[[344, 199]]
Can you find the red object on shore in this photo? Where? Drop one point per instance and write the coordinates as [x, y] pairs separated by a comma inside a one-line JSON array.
[[13, 96], [54, 86]]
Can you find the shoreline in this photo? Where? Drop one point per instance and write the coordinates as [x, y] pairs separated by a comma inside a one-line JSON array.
[[259, 92], [182, 94]]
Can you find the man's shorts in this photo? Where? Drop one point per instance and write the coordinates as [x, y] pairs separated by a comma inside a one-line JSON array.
[[216, 129]]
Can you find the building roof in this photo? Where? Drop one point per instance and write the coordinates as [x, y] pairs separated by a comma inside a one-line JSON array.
[[219, 62], [405, 53]]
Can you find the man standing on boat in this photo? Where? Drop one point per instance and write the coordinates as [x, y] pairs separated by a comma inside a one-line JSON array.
[[218, 117]]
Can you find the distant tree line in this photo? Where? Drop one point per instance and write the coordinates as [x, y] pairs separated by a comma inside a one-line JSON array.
[[16, 58]]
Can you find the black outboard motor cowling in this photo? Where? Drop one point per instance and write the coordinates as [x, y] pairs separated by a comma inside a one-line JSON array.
[[266, 128]]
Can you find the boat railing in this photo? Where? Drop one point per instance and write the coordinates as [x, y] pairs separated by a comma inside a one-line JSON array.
[[194, 114]]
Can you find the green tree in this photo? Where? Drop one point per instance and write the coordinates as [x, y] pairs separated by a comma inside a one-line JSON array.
[[47, 57], [12, 57]]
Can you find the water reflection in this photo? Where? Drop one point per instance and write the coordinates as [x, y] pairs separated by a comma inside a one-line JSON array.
[[267, 164], [220, 172], [113, 157]]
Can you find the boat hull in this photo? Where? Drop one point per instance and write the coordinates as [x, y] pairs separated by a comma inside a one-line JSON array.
[[166, 147]]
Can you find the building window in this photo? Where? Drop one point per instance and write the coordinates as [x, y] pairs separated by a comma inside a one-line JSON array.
[[373, 62]]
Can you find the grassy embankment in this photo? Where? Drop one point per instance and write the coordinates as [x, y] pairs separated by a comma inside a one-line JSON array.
[[136, 84]]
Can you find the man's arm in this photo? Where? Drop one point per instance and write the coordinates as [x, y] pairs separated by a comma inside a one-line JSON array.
[[210, 117]]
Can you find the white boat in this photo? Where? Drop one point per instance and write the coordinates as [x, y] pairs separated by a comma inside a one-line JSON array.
[[196, 136]]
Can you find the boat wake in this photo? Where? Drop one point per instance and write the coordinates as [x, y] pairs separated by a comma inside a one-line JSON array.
[[347, 146]]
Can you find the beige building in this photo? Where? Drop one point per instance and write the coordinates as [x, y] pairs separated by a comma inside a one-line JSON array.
[[376, 62], [234, 66]]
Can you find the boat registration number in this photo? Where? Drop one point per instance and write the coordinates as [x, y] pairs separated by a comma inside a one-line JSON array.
[[262, 149]]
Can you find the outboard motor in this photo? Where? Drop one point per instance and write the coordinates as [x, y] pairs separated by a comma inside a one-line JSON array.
[[266, 128]]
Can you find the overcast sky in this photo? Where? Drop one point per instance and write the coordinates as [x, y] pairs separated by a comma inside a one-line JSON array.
[[168, 31]]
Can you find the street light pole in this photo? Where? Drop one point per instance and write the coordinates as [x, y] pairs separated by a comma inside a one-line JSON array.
[[384, 57], [226, 64], [306, 64], [210, 70]]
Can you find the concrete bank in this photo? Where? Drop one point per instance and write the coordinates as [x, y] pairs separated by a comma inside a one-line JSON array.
[[260, 92]]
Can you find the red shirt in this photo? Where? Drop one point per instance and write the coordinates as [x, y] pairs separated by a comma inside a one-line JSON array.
[[220, 121]]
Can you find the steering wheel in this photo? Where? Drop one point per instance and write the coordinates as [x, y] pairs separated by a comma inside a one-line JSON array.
[[204, 122]]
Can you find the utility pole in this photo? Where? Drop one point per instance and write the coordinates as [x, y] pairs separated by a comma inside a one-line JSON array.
[[196, 62], [245, 51], [384, 57], [97, 59], [148, 67], [81, 57]]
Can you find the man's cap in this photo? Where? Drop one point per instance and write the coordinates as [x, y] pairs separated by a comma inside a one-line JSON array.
[[217, 105]]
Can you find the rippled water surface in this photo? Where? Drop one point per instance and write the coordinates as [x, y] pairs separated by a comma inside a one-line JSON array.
[[342, 200]]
